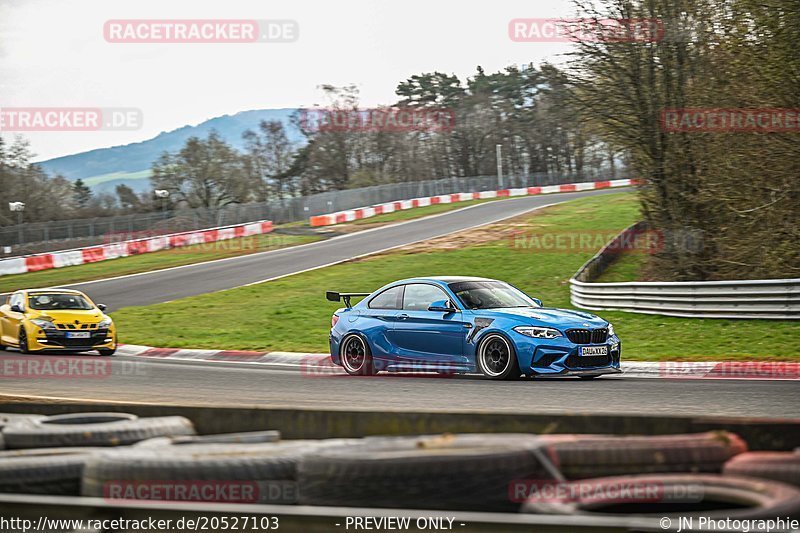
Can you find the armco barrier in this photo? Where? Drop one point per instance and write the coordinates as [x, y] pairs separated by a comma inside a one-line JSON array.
[[770, 298], [390, 207], [93, 254]]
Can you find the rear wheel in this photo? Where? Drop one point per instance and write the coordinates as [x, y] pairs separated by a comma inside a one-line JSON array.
[[497, 359], [356, 357]]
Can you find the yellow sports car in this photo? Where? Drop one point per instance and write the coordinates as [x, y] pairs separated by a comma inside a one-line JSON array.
[[41, 320]]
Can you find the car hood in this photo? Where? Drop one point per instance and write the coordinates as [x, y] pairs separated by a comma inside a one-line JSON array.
[[548, 316], [90, 316]]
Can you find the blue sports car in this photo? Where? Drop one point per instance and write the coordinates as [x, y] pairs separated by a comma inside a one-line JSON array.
[[466, 324]]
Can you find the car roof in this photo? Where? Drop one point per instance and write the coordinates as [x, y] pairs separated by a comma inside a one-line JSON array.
[[54, 290], [445, 279]]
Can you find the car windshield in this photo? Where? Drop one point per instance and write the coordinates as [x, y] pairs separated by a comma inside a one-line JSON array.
[[490, 295], [58, 300]]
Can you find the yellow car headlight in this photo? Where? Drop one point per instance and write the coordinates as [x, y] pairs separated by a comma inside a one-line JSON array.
[[106, 322], [44, 324]]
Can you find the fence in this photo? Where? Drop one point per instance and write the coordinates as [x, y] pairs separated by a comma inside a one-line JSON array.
[[47, 236], [772, 298]]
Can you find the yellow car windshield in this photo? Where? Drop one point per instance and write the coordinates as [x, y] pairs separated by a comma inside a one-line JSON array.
[[55, 301]]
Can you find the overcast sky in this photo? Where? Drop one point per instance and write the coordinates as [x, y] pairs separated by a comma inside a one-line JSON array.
[[53, 54]]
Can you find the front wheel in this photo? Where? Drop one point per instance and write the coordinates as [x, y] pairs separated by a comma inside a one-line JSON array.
[[497, 359], [23, 341], [356, 357], [106, 351]]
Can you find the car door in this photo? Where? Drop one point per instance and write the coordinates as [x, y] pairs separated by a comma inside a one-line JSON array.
[[378, 318], [423, 336], [10, 320]]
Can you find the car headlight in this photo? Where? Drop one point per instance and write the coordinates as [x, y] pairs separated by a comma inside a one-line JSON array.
[[610, 330], [44, 324], [104, 323], [538, 332]]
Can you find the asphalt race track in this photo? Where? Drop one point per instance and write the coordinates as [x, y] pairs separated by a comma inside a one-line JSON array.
[[171, 284], [204, 383]]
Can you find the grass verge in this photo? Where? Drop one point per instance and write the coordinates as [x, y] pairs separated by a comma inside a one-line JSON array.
[[292, 313]]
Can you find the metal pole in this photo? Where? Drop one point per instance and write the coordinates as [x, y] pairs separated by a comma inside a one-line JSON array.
[[19, 227], [500, 166]]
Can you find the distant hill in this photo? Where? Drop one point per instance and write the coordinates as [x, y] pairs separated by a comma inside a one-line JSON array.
[[105, 168]]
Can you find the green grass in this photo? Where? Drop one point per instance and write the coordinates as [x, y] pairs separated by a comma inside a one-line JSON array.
[[292, 313], [151, 261], [627, 267]]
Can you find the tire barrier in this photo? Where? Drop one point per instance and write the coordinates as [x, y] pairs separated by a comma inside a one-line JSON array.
[[6, 419], [43, 471], [91, 429], [777, 466], [230, 473], [584, 456], [458, 472], [708, 495], [251, 437]]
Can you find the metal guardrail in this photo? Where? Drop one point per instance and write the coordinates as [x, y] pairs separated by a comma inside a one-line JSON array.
[[770, 298]]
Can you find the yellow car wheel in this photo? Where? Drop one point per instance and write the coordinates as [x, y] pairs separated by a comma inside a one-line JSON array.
[[23, 341]]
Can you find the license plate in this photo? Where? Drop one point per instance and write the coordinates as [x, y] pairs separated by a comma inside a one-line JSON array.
[[585, 351], [77, 334]]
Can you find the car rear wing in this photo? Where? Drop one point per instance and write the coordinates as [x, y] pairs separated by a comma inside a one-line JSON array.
[[334, 296]]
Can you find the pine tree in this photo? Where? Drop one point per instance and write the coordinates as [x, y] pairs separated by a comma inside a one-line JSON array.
[[82, 193]]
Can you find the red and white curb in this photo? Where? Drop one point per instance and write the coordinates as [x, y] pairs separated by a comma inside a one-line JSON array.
[[390, 207], [319, 364], [113, 250]]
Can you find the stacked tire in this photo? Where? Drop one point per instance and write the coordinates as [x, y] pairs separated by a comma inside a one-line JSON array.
[[456, 472], [585, 456], [777, 466], [47, 454]]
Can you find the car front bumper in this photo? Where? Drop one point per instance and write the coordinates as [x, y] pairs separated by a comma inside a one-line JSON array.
[[99, 339], [559, 357]]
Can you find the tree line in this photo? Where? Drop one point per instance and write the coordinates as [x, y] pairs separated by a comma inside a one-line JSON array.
[[601, 113]]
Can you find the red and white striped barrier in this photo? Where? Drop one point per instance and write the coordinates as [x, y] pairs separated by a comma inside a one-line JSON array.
[[319, 364], [390, 207], [93, 254]]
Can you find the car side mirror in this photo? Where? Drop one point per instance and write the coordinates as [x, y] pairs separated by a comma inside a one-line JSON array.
[[17, 309], [442, 306], [102, 307], [538, 302]]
